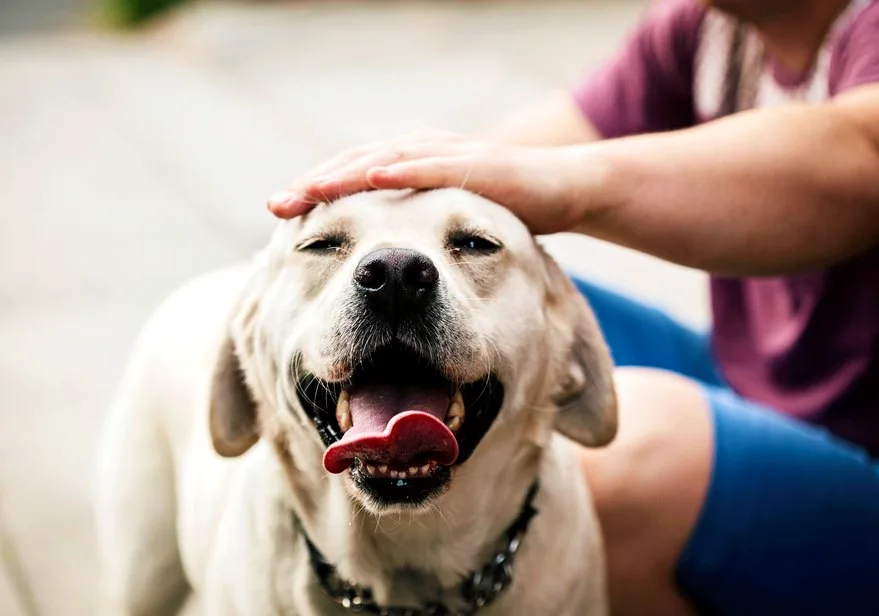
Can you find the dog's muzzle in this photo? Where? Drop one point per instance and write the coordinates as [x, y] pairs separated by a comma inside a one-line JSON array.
[[398, 423]]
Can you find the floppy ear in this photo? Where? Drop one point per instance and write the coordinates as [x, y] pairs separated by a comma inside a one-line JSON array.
[[586, 399], [234, 424], [233, 421]]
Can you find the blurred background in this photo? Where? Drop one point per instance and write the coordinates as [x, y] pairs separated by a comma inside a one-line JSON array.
[[136, 154]]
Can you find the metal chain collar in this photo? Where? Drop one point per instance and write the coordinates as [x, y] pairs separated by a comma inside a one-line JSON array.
[[480, 589]]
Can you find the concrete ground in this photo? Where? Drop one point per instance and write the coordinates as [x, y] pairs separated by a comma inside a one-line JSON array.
[[130, 163]]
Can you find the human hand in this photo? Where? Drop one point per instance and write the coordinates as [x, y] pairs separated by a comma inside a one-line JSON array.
[[544, 187]]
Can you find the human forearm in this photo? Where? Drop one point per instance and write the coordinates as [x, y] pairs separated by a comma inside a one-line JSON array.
[[764, 192]]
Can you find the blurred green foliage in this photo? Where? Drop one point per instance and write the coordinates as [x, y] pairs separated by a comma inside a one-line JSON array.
[[133, 12]]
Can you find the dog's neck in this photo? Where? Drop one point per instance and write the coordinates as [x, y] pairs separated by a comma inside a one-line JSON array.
[[481, 588], [404, 552]]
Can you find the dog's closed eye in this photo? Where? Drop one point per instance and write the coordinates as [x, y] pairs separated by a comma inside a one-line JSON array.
[[329, 244], [471, 243]]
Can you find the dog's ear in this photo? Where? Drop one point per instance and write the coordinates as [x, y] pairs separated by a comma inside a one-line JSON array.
[[586, 399], [233, 420], [234, 423]]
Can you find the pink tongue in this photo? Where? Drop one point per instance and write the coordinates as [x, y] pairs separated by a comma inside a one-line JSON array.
[[398, 426]]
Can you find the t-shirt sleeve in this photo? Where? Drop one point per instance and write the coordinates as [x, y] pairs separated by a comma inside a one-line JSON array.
[[855, 60], [648, 85]]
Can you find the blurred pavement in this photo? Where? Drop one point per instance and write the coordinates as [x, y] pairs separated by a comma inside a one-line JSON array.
[[129, 163]]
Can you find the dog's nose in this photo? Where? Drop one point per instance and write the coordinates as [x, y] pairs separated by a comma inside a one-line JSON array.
[[397, 282]]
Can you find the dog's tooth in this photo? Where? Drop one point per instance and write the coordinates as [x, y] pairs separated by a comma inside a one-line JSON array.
[[345, 422], [383, 469], [394, 474], [342, 401], [458, 398], [454, 423], [413, 470], [425, 469], [455, 414], [343, 412], [370, 469], [402, 475], [456, 408]]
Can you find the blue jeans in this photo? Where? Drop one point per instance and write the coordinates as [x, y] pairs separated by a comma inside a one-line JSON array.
[[790, 524]]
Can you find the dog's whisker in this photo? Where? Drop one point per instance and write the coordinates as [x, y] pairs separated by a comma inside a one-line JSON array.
[[324, 197], [377, 524], [495, 350], [467, 176], [434, 507], [358, 511]]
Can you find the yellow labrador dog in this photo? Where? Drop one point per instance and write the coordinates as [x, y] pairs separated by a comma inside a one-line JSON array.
[[375, 417]]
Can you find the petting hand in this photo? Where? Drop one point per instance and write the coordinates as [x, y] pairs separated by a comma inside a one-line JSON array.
[[542, 186]]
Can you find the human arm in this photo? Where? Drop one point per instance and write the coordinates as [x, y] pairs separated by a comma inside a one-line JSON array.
[[770, 191], [764, 192], [555, 120], [644, 87]]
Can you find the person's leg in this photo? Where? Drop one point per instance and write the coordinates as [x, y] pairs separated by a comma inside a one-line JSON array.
[[790, 524], [709, 501], [642, 335], [648, 486]]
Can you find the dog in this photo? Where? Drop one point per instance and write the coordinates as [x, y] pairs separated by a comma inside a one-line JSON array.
[[379, 414]]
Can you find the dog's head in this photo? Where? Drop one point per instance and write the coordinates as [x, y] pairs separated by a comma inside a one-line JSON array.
[[394, 336]]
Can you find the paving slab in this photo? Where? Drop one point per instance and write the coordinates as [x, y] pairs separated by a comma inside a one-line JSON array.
[[10, 604]]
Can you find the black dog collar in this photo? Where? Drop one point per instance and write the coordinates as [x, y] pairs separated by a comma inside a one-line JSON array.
[[479, 589]]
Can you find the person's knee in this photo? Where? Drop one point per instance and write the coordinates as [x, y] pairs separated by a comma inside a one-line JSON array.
[[649, 484], [664, 437]]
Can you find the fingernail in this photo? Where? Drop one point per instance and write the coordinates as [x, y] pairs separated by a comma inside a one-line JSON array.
[[283, 198]]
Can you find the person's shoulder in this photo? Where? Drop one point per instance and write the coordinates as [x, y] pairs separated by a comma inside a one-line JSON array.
[[855, 58], [682, 16], [860, 25], [672, 29]]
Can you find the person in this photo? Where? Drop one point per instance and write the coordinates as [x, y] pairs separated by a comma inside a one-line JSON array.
[[740, 137]]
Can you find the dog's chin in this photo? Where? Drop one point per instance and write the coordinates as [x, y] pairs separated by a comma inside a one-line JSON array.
[[388, 495], [398, 426]]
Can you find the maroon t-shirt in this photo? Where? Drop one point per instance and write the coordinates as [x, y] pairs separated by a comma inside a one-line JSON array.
[[806, 345]]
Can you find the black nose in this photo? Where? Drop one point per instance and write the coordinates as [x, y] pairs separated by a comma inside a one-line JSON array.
[[397, 282]]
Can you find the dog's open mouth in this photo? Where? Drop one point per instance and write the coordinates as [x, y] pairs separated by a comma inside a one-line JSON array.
[[399, 423]]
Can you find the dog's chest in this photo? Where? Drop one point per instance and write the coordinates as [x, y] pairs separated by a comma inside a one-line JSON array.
[[553, 572]]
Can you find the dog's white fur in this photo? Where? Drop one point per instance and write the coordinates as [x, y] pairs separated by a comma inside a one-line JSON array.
[[175, 516]]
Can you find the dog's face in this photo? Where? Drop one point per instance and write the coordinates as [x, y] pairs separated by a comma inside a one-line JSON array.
[[392, 337]]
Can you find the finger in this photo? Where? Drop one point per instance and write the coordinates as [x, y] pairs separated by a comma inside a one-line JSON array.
[[289, 204], [321, 184], [353, 178], [347, 157], [348, 180], [344, 174], [294, 200], [432, 172]]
